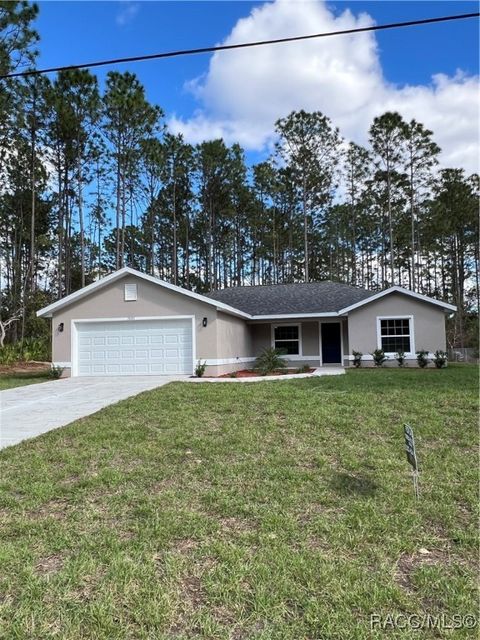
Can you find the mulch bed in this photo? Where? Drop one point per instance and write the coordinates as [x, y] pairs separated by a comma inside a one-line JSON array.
[[248, 373], [24, 367]]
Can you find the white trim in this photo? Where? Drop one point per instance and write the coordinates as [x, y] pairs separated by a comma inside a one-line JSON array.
[[294, 316], [74, 334], [411, 353], [81, 293], [299, 339], [194, 345], [397, 289], [212, 362], [320, 342]]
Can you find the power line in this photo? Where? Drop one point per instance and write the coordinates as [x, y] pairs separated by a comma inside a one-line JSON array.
[[244, 45]]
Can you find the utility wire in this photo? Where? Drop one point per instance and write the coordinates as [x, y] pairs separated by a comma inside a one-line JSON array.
[[244, 45]]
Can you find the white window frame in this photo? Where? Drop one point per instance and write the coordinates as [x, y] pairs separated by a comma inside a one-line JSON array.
[[300, 340], [410, 353], [127, 287]]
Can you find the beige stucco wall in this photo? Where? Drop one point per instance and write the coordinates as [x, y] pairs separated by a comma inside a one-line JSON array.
[[428, 322], [152, 300], [234, 338], [262, 336]]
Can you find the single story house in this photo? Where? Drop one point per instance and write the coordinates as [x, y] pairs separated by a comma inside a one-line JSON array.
[[130, 323]]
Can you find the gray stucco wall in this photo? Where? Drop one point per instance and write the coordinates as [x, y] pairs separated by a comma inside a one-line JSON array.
[[428, 322], [234, 338], [262, 338], [152, 300]]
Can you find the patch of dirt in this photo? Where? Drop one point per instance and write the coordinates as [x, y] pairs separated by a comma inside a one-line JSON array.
[[89, 585], [233, 524], [248, 373], [49, 565], [25, 367], [192, 590], [407, 565], [185, 545], [57, 509]]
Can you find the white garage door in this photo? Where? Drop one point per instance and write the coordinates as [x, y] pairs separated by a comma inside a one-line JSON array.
[[134, 347]]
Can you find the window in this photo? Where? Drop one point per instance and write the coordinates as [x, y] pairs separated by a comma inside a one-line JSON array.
[[395, 335], [287, 339], [130, 292]]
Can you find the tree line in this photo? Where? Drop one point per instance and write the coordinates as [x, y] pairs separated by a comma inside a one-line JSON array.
[[93, 180]]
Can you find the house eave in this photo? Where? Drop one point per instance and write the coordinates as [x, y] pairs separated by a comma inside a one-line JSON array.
[[48, 311], [294, 316], [396, 289]]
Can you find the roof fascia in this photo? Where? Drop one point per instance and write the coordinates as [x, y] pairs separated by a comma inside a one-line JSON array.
[[292, 316], [397, 289], [81, 293]]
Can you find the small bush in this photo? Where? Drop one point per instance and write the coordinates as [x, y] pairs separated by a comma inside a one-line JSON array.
[[422, 358], [357, 358], [303, 369], [440, 359], [270, 360], [25, 350], [400, 358], [379, 357], [55, 372], [200, 369], [233, 374]]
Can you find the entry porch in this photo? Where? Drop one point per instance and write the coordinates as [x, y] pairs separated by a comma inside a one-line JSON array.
[[315, 342]]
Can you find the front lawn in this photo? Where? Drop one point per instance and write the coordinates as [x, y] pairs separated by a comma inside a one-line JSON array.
[[11, 379], [272, 510]]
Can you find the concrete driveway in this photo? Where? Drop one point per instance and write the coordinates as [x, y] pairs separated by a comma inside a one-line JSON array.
[[26, 412]]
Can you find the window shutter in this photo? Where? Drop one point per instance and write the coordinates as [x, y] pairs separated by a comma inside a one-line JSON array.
[[130, 292]]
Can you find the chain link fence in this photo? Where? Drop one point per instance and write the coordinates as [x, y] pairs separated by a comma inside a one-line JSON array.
[[463, 355]]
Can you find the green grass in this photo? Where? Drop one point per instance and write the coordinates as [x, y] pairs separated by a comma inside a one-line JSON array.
[[278, 510], [11, 380]]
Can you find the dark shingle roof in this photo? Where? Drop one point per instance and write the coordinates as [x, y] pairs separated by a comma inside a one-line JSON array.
[[306, 297]]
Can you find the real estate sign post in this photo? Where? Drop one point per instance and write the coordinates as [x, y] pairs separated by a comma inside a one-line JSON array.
[[411, 455]]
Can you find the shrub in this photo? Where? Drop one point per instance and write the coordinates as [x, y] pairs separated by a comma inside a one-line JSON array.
[[379, 357], [270, 360], [55, 372], [233, 374], [357, 358], [8, 354], [440, 359], [422, 358], [303, 369], [400, 358], [200, 369], [25, 350]]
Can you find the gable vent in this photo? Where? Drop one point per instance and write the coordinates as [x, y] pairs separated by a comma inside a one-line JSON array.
[[130, 292]]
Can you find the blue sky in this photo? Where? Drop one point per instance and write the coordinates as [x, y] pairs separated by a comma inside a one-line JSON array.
[[74, 32]]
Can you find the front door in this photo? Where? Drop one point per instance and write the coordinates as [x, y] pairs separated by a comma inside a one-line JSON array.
[[331, 343]]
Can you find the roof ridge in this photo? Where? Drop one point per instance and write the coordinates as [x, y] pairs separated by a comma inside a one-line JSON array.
[[289, 284]]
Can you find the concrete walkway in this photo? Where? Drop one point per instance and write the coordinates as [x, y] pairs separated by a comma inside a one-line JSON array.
[[322, 371], [26, 412]]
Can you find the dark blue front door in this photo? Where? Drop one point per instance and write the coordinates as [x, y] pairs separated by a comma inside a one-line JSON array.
[[331, 343]]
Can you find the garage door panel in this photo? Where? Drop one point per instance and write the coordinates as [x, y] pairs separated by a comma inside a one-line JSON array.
[[143, 347]]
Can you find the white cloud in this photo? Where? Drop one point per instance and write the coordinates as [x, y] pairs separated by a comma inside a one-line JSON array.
[[245, 91], [127, 12]]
